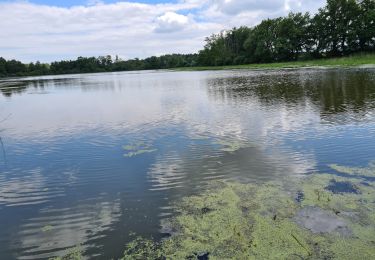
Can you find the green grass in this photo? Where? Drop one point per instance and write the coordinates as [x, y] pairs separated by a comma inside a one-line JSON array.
[[350, 61]]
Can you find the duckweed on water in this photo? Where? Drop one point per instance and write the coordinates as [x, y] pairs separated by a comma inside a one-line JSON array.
[[365, 172], [74, 253], [231, 146], [248, 221], [47, 228], [138, 148]]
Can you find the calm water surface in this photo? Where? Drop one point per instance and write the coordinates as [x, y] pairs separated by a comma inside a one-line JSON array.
[[66, 177]]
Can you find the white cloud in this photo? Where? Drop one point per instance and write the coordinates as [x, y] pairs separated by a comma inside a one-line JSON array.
[[251, 12], [129, 29], [238, 6], [234, 7], [171, 22]]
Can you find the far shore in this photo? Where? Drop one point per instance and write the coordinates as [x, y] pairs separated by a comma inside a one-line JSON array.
[[364, 60], [355, 61]]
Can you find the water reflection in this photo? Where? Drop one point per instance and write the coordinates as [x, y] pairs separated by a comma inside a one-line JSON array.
[[66, 227], [345, 91], [8, 88], [67, 182]]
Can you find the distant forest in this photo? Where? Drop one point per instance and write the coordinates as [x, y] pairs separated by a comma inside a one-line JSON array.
[[342, 27]]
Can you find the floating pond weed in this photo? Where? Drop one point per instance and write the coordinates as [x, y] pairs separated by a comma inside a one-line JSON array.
[[47, 228], [74, 253], [358, 171], [231, 220], [232, 145], [140, 249], [138, 148]]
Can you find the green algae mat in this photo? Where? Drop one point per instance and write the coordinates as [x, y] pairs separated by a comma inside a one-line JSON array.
[[320, 216]]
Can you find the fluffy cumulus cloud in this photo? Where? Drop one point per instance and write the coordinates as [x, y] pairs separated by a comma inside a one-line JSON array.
[[171, 22], [129, 29], [233, 7]]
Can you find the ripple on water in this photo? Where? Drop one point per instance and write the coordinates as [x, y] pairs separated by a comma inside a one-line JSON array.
[[27, 188], [57, 229]]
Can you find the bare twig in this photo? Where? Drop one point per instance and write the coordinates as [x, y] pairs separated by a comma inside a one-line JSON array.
[[3, 149], [1, 140], [6, 118]]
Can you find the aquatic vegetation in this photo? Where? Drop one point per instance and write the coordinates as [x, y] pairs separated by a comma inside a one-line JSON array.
[[141, 248], [47, 228], [365, 172], [138, 148], [74, 253], [231, 145], [265, 221]]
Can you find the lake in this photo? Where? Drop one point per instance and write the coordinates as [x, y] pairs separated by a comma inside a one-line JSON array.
[[92, 159]]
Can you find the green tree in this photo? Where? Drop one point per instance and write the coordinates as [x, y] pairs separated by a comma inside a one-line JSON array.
[[292, 36], [336, 23], [234, 43], [216, 51], [14, 68], [366, 25], [261, 43], [3, 71]]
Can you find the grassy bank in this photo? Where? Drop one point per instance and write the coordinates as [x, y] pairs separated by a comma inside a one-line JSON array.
[[350, 61]]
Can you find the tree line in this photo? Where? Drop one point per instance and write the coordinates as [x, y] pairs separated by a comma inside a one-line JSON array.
[[95, 64], [341, 27]]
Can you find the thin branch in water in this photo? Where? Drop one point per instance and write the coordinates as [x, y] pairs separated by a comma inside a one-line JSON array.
[[6, 118], [1, 140], [3, 149]]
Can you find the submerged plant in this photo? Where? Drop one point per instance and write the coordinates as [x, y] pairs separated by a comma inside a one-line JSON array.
[[47, 228], [266, 221], [232, 145], [358, 171], [74, 253], [137, 149]]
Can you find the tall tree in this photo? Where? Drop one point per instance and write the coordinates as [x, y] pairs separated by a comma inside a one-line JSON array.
[[262, 40], [292, 36], [3, 71], [338, 21], [366, 25]]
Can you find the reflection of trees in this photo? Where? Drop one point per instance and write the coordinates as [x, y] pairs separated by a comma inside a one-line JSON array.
[[331, 91], [10, 88]]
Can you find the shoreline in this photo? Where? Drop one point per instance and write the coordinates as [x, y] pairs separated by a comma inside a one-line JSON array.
[[366, 60], [355, 61]]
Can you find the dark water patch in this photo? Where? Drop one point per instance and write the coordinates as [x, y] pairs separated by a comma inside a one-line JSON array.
[[299, 196], [318, 220], [342, 187], [202, 256]]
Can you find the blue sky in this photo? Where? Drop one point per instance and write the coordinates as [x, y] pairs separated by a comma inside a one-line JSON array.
[[48, 30]]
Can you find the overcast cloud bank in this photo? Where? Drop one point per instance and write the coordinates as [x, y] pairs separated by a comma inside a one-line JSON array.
[[33, 32]]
